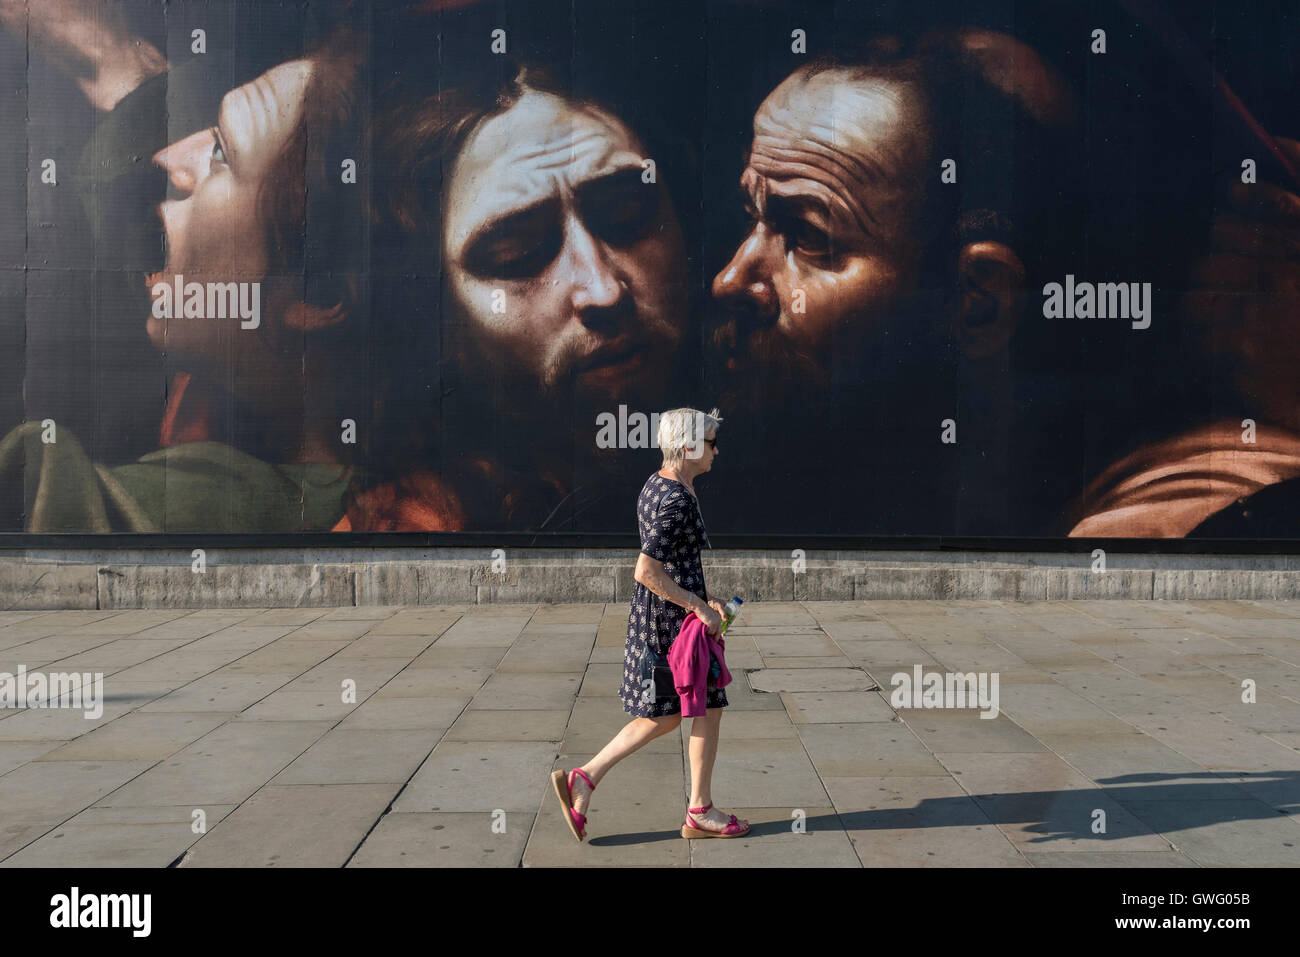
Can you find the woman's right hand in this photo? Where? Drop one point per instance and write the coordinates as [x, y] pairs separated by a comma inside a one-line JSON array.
[[712, 620]]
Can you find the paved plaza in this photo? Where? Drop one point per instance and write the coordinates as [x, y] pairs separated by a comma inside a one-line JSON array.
[[231, 738]]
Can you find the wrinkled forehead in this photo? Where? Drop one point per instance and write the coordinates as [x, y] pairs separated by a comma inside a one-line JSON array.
[[849, 134], [260, 115], [833, 108], [540, 148]]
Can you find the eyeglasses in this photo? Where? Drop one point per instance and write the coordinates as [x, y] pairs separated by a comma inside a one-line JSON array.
[[712, 443]]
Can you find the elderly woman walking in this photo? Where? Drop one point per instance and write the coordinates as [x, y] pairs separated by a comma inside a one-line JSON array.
[[669, 585]]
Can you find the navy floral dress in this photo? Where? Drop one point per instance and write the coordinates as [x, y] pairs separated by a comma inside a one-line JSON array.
[[672, 531]]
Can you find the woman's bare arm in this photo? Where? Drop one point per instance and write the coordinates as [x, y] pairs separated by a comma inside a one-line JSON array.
[[652, 574]]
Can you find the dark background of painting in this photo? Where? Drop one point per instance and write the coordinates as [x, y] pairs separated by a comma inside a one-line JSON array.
[[72, 343]]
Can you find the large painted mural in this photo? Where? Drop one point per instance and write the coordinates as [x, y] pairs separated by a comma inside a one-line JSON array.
[[992, 269]]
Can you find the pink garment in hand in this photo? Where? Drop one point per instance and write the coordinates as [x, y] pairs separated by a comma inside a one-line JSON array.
[[688, 657]]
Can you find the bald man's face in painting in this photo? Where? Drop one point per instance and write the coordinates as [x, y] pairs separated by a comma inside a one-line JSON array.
[[833, 187]]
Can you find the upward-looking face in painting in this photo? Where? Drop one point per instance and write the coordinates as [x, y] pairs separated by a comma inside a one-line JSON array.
[[212, 220], [568, 270]]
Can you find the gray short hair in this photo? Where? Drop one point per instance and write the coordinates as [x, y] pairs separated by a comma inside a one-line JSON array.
[[682, 427]]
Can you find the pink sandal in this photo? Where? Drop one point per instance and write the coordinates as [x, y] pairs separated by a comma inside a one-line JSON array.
[[564, 791], [734, 827]]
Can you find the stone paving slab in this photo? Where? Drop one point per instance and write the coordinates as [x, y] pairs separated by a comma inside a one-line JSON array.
[[1040, 799], [433, 839], [885, 652], [810, 679], [479, 776], [979, 845], [534, 652], [239, 638], [1283, 649], [219, 692], [118, 837], [954, 731], [1048, 702], [836, 707], [66, 620], [41, 651], [983, 657], [445, 656], [325, 705], [1286, 738], [601, 680], [14, 617], [925, 821], [612, 634], [1280, 790], [1130, 708], [182, 666], [430, 682], [226, 766], [741, 697], [867, 750], [385, 646], [780, 664], [412, 623], [48, 792], [47, 724], [486, 631], [368, 675], [1275, 715], [568, 614], [796, 646], [294, 826], [1064, 821], [201, 624], [14, 837], [1225, 833], [1111, 758], [510, 726], [773, 841], [1120, 859], [360, 756], [874, 629], [739, 662], [14, 754], [529, 692], [1213, 741], [285, 654], [425, 713], [333, 629], [363, 612], [138, 736]]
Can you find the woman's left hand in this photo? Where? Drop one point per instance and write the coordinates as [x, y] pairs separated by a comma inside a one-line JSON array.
[[719, 607]]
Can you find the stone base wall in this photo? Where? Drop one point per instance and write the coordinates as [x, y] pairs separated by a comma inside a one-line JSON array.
[[261, 578]]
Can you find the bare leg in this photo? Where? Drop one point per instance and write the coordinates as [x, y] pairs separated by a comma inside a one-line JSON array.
[[635, 735], [704, 750]]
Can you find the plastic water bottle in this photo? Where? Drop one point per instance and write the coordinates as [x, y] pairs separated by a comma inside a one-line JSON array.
[[729, 612]]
